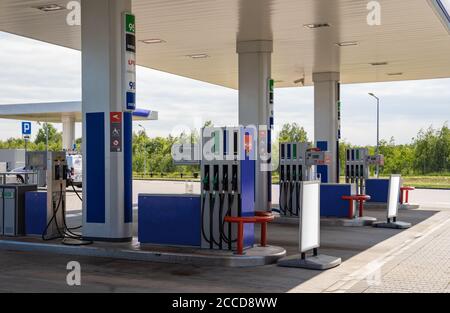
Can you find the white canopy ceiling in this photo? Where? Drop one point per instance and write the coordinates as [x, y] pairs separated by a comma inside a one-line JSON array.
[[412, 38], [53, 112]]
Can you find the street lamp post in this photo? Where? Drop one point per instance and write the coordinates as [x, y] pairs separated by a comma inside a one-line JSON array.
[[145, 152], [378, 130]]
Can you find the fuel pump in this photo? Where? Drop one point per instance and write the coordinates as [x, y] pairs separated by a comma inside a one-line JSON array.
[[56, 194], [227, 184], [315, 157], [56, 228], [297, 163], [293, 171], [357, 166]]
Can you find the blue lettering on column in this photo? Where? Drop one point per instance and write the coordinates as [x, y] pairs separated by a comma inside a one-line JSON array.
[[127, 167]]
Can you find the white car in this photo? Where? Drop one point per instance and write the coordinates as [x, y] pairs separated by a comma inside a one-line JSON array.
[[18, 176], [75, 169]]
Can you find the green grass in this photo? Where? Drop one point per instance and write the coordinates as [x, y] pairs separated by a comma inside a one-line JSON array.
[[428, 181], [165, 176], [433, 182]]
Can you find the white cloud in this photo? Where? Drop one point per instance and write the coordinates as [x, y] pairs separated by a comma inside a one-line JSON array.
[[32, 71]]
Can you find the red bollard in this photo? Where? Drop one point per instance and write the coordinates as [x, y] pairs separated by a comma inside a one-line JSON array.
[[263, 234], [240, 243]]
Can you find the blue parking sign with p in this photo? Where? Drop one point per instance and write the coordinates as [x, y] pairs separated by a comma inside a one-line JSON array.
[[26, 128]]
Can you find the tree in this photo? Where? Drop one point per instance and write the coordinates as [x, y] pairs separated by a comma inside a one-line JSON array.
[[293, 133], [54, 137], [432, 150]]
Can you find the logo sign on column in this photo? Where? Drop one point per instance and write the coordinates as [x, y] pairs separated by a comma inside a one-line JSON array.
[[26, 128], [116, 132], [130, 23], [129, 59], [131, 101], [130, 45], [271, 102], [131, 62]]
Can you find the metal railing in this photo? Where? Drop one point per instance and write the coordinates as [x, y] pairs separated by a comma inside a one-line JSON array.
[[22, 177]]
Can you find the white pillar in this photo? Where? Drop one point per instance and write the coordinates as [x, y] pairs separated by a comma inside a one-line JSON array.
[[68, 125], [107, 194], [255, 61], [326, 121]]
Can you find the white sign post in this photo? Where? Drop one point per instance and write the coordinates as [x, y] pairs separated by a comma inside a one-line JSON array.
[[26, 133], [309, 232], [395, 183]]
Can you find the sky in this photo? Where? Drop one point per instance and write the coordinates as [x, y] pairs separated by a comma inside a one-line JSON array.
[[33, 71]]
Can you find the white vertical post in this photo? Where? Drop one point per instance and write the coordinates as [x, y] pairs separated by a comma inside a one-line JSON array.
[[68, 123], [326, 122], [255, 62], [107, 195]]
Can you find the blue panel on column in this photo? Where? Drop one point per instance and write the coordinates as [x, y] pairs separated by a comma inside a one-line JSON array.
[[127, 168], [95, 166], [322, 145], [169, 220], [331, 203], [323, 169], [248, 198], [378, 190], [35, 212]]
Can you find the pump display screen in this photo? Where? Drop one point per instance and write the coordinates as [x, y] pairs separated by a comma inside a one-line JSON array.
[[309, 234], [394, 193]]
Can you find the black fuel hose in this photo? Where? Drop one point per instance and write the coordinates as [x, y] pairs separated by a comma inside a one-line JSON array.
[[76, 192], [53, 218], [221, 204], [64, 232], [81, 199], [286, 193], [211, 218], [203, 219], [291, 191], [297, 199], [283, 210], [228, 238]]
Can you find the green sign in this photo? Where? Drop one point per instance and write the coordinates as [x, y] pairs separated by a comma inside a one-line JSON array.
[[271, 85], [8, 194], [130, 23]]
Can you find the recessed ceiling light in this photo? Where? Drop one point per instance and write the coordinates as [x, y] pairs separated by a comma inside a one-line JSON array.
[[198, 56], [50, 8], [347, 43], [379, 63], [395, 74], [316, 25], [152, 41]]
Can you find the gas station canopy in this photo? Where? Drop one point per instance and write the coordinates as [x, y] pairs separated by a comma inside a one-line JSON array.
[[197, 39], [54, 112]]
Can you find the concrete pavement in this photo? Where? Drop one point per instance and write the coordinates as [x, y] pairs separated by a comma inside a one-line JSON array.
[[370, 256], [427, 198]]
